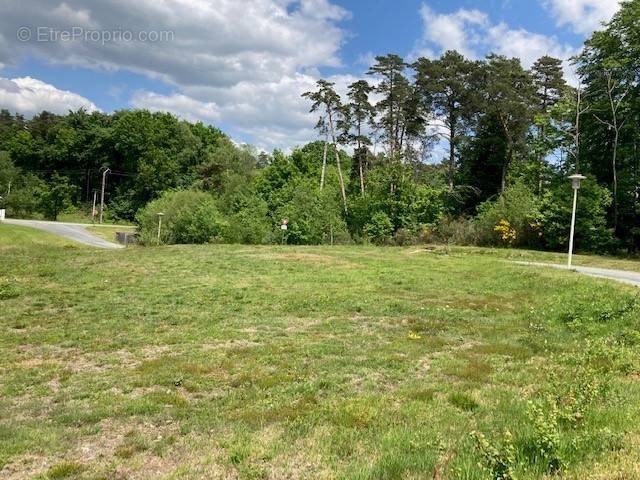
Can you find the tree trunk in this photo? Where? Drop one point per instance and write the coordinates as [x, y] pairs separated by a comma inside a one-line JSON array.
[[361, 174], [503, 183], [636, 191], [541, 161], [507, 160], [360, 155], [615, 180], [578, 113], [324, 160], [452, 151], [342, 189]]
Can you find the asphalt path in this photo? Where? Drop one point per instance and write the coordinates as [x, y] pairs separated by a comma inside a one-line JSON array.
[[624, 276], [73, 231]]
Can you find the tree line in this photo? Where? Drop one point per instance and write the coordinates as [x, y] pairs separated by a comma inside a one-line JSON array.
[[470, 151]]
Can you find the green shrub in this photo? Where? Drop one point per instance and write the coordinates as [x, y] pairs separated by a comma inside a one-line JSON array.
[[379, 229], [591, 233], [499, 459], [57, 197], [314, 215], [24, 201], [546, 440], [189, 217], [518, 208], [458, 231], [250, 223]]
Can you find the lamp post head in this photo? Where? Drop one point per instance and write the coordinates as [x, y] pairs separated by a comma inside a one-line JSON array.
[[575, 180], [160, 214]]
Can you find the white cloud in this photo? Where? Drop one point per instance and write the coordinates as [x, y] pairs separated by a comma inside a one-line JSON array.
[[178, 104], [526, 45], [251, 108], [471, 33], [207, 42], [30, 96], [459, 31], [241, 62], [584, 16]]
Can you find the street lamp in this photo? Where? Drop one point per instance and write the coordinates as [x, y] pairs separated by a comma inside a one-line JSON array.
[[160, 215], [575, 183]]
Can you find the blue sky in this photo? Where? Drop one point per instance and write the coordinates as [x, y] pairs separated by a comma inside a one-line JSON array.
[[242, 64]]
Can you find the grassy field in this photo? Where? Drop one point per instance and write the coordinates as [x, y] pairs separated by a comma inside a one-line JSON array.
[[310, 362]]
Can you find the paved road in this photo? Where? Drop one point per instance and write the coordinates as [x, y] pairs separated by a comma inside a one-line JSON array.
[[72, 231], [624, 276]]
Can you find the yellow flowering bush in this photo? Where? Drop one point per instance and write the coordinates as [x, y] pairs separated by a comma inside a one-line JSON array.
[[506, 232]]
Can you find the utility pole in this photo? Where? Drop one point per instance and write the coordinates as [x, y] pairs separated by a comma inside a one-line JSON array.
[[104, 175]]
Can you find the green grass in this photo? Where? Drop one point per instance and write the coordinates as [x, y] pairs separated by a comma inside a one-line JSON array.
[[310, 362], [108, 232]]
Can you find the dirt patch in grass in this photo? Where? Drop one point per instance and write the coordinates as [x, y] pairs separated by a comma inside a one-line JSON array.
[[229, 345], [100, 452], [75, 360]]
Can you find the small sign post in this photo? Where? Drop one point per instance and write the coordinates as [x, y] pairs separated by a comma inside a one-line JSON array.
[[283, 228]]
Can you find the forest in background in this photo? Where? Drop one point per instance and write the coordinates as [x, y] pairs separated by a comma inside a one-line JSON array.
[[511, 135]]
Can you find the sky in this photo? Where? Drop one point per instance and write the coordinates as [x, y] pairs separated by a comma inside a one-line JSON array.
[[242, 65]]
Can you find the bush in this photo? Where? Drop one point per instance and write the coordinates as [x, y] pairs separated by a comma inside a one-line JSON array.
[[513, 219], [458, 231], [591, 233], [24, 201], [189, 217], [499, 458], [314, 214], [250, 222], [379, 229], [56, 198]]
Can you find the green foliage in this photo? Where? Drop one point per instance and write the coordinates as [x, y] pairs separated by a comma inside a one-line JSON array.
[[314, 214], [189, 217], [57, 196], [20, 193], [592, 233], [407, 204], [456, 230], [503, 124], [520, 208], [249, 222], [379, 229], [546, 438], [499, 460], [8, 173]]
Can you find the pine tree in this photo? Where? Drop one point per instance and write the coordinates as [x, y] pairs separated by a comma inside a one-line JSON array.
[[326, 98], [449, 86]]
